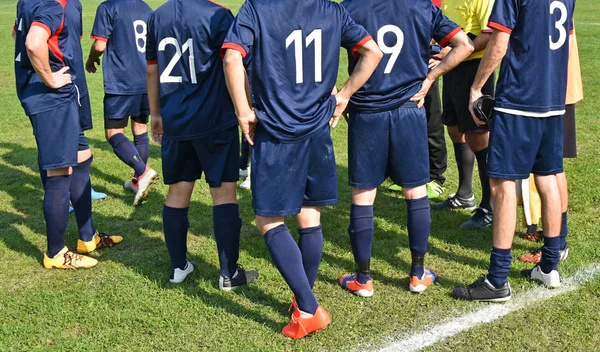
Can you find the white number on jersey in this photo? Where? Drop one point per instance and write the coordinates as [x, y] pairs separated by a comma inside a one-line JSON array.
[[166, 77], [19, 29], [394, 51], [140, 29], [559, 25], [314, 37]]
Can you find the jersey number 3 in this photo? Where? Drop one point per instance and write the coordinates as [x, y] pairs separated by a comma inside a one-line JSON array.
[[559, 25]]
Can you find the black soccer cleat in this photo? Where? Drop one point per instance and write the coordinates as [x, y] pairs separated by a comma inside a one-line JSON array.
[[482, 290], [240, 278], [455, 202]]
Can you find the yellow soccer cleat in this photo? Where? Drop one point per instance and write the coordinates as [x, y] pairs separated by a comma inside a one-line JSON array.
[[65, 259], [100, 240]]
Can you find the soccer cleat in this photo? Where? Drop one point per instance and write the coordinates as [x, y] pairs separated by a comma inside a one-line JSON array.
[[350, 283], [130, 186], [550, 280], [246, 183], [434, 189], [418, 285], [98, 195], [100, 240], [534, 236], [302, 324], [178, 275], [243, 173], [482, 290], [143, 183], [65, 259], [482, 218], [535, 255], [455, 202], [240, 278]]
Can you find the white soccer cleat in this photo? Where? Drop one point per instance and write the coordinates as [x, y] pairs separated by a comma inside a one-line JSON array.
[[144, 182], [178, 275], [130, 187], [550, 280], [246, 183]]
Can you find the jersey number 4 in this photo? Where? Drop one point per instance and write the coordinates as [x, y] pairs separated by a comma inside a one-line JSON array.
[[296, 38], [166, 77]]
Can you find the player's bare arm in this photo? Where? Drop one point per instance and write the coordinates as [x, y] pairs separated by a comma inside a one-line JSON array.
[[97, 49], [236, 79], [37, 50], [370, 55], [462, 47], [491, 59], [154, 100]]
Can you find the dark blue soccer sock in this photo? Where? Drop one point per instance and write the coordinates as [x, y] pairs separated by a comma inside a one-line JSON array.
[[419, 227], [227, 225], [550, 254], [142, 144], [500, 260], [56, 212], [311, 247], [81, 199], [564, 231], [362, 231], [43, 177], [486, 193], [175, 226], [288, 260], [127, 152]]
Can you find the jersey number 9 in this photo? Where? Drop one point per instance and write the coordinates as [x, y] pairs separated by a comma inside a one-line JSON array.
[[394, 50]]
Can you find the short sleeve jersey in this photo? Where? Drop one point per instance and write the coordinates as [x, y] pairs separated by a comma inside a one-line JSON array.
[[533, 74], [74, 20], [122, 24], [184, 40], [471, 15], [34, 95], [403, 30], [295, 48]]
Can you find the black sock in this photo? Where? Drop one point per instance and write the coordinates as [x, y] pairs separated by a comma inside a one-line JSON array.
[[465, 161], [126, 151], [288, 260], [175, 226], [56, 212], [419, 227], [486, 193], [142, 144], [362, 232], [227, 225], [311, 247], [81, 199]]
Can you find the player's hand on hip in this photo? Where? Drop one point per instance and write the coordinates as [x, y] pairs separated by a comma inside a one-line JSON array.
[[157, 129], [419, 97], [60, 78], [90, 66], [475, 94], [341, 108], [248, 123]]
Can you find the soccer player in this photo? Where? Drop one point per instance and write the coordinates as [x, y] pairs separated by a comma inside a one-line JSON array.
[[43, 57], [193, 118], [120, 32], [470, 140], [295, 47], [531, 38], [387, 126]]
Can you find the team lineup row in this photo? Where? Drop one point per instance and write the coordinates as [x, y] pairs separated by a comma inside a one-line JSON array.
[[199, 72]]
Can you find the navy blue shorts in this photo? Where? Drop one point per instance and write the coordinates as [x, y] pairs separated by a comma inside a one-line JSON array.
[[216, 155], [57, 135], [124, 106], [85, 113], [287, 176], [82, 143], [521, 145], [388, 144]]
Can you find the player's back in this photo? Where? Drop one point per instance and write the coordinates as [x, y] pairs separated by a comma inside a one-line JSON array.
[[533, 75], [295, 57], [73, 17], [184, 39], [123, 24], [35, 96], [403, 30]]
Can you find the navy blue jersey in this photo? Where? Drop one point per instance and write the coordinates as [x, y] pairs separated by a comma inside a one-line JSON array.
[[295, 48], [122, 24], [73, 18], [34, 95], [404, 30], [533, 75], [184, 39]]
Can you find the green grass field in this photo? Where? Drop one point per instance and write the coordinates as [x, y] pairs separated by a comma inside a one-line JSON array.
[[126, 302]]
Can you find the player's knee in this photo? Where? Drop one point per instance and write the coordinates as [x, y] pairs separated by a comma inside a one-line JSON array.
[[266, 223], [363, 196], [225, 194], [138, 128], [501, 188], [455, 135], [477, 141], [179, 195], [109, 132], [309, 217], [84, 155], [414, 192], [59, 172]]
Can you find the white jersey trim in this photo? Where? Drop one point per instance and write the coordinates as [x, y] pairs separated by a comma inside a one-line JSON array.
[[530, 113]]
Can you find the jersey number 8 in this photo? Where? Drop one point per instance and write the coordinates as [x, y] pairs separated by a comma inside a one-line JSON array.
[[140, 29]]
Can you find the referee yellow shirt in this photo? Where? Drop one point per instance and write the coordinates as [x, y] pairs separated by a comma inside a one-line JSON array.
[[471, 15]]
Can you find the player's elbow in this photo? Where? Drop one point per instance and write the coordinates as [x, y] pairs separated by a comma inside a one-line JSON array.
[[99, 46], [232, 58], [34, 44]]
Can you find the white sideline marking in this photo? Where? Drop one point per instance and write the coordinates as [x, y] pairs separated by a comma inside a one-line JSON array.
[[491, 312]]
